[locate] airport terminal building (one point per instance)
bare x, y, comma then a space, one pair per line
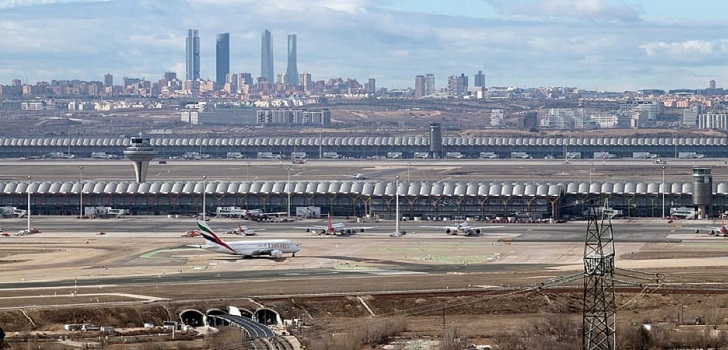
427, 200
361, 198
434, 144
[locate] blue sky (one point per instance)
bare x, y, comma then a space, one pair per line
593, 44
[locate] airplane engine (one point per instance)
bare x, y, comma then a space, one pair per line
447, 230
276, 254
308, 230
349, 231
477, 231
362, 230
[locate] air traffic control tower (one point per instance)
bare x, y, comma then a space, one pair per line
435, 141
702, 190
140, 152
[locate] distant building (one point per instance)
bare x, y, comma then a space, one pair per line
222, 59
652, 109
108, 80
479, 79
292, 70
712, 85
193, 55
294, 117
420, 86
266, 57
305, 81
567, 118
457, 85
371, 86
714, 121
429, 84
690, 115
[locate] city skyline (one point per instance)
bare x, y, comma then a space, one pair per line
596, 44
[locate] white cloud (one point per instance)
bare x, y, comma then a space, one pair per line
582, 9
358, 39
687, 51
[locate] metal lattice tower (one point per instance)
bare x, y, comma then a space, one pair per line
599, 314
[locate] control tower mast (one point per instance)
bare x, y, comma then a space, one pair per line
140, 152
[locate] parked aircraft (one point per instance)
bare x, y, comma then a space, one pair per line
360, 177
250, 214
338, 228
242, 230
274, 248
717, 231
463, 228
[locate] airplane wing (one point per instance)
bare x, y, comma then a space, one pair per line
711, 230
312, 228
360, 227
451, 228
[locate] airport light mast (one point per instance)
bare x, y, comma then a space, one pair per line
204, 190
288, 189
80, 193
396, 204
28, 213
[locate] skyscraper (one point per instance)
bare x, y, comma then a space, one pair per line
222, 59
266, 57
420, 86
292, 71
193, 55
108, 80
480, 79
429, 84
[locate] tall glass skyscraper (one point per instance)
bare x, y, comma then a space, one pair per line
266, 57
222, 59
292, 71
193, 55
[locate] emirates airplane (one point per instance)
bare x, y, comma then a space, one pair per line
274, 248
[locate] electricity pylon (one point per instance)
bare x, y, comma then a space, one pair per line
599, 314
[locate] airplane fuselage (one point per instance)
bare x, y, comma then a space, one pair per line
256, 248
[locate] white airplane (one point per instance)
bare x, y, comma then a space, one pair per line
716, 230
360, 177
338, 228
274, 248
463, 228
243, 230
249, 214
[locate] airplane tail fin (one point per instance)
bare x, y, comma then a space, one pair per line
331, 224
210, 236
